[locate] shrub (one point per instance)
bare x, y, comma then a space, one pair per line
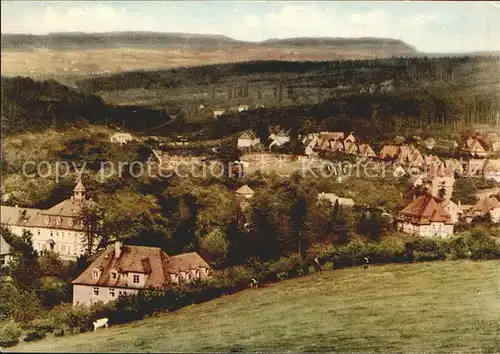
59, 332
34, 335
10, 332
45, 324
80, 318
286, 266
425, 249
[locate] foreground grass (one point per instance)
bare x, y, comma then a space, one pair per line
439, 306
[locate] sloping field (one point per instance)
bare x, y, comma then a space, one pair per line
440, 306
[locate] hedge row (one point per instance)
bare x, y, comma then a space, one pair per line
65, 318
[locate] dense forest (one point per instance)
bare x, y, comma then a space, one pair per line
450, 92
29, 105
322, 73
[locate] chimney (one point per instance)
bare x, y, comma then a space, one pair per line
118, 248
459, 203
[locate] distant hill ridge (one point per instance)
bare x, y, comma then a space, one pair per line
80, 40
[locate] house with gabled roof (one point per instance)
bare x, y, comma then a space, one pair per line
121, 138
455, 165
365, 150
336, 146
491, 169
218, 112
332, 135
473, 147
279, 138
453, 209
389, 152
350, 139
475, 167
125, 269
351, 148
247, 140
425, 216
485, 206
440, 180
310, 144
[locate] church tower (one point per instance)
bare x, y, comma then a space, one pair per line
79, 191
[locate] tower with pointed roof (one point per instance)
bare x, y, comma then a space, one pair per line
79, 191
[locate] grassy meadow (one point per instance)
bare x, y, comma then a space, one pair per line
439, 306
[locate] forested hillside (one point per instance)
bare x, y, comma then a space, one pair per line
29, 105
369, 96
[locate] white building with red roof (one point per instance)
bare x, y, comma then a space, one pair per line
123, 270
425, 216
58, 229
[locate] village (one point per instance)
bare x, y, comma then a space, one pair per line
249, 177
433, 213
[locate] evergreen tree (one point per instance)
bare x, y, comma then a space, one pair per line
24, 269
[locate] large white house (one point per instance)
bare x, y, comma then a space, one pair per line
121, 269
425, 216
58, 229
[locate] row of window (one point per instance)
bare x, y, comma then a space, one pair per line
111, 292
62, 249
59, 221
114, 275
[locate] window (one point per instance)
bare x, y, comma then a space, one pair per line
59, 221
96, 291
63, 248
112, 292
38, 231
136, 279
57, 234
47, 220
51, 234
95, 273
114, 275
70, 222
69, 249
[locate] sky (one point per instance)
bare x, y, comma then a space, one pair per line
428, 26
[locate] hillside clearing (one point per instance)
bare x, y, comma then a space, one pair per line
439, 306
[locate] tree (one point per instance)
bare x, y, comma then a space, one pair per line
298, 214
227, 155
371, 225
464, 191
125, 215
215, 246
24, 269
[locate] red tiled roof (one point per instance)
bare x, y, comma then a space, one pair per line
366, 150
485, 205
426, 209
152, 261
389, 151
473, 145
